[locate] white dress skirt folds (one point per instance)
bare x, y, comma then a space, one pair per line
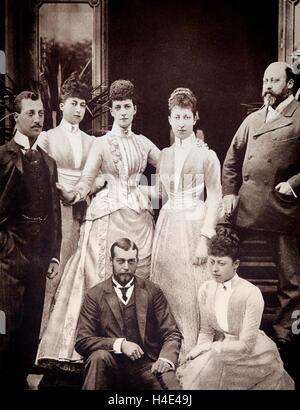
184, 171
121, 209
240, 357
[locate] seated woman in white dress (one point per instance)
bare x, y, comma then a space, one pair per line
232, 353
121, 209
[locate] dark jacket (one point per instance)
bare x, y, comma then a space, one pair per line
262, 155
11, 169
100, 321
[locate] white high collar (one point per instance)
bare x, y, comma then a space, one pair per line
118, 131
23, 140
69, 127
186, 143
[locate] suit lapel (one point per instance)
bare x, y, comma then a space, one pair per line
141, 302
113, 303
283, 120
16, 155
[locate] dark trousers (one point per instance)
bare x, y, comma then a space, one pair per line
108, 371
285, 249
25, 290
288, 263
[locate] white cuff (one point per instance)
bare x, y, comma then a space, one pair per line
168, 361
55, 260
117, 345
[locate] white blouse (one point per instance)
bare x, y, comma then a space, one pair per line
182, 149
223, 293
74, 136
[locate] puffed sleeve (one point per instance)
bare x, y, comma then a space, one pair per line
157, 191
91, 170
212, 180
43, 141
153, 152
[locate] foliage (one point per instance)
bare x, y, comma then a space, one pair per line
58, 62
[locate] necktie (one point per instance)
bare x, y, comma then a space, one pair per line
124, 292
123, 289
224, 287
31, 155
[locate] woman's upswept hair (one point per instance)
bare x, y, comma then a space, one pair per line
73, 87
224, 243
184, 98
121, 90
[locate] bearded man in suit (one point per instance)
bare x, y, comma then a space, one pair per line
30, 237
126, 332
261, 182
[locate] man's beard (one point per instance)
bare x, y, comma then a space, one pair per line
273, 100
269, 99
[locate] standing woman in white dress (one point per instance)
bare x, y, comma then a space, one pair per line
69, 147
121, 209
186, 221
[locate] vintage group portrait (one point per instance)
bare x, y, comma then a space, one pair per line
149, 195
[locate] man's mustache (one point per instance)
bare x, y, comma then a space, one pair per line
268, 93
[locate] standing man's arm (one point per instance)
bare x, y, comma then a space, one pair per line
56, 219
232, 167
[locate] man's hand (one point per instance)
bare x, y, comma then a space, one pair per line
65, 196
131, 350
284, 188
160, 366
229, 202
52, 270
201, 251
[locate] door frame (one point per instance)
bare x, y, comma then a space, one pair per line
286, 30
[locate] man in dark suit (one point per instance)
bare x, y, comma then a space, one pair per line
30, 236
261, 182
126, 332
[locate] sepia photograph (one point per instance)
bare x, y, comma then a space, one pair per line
149, 197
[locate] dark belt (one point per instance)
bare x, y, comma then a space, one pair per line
36, 219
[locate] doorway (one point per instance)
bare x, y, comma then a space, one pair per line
219, 49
